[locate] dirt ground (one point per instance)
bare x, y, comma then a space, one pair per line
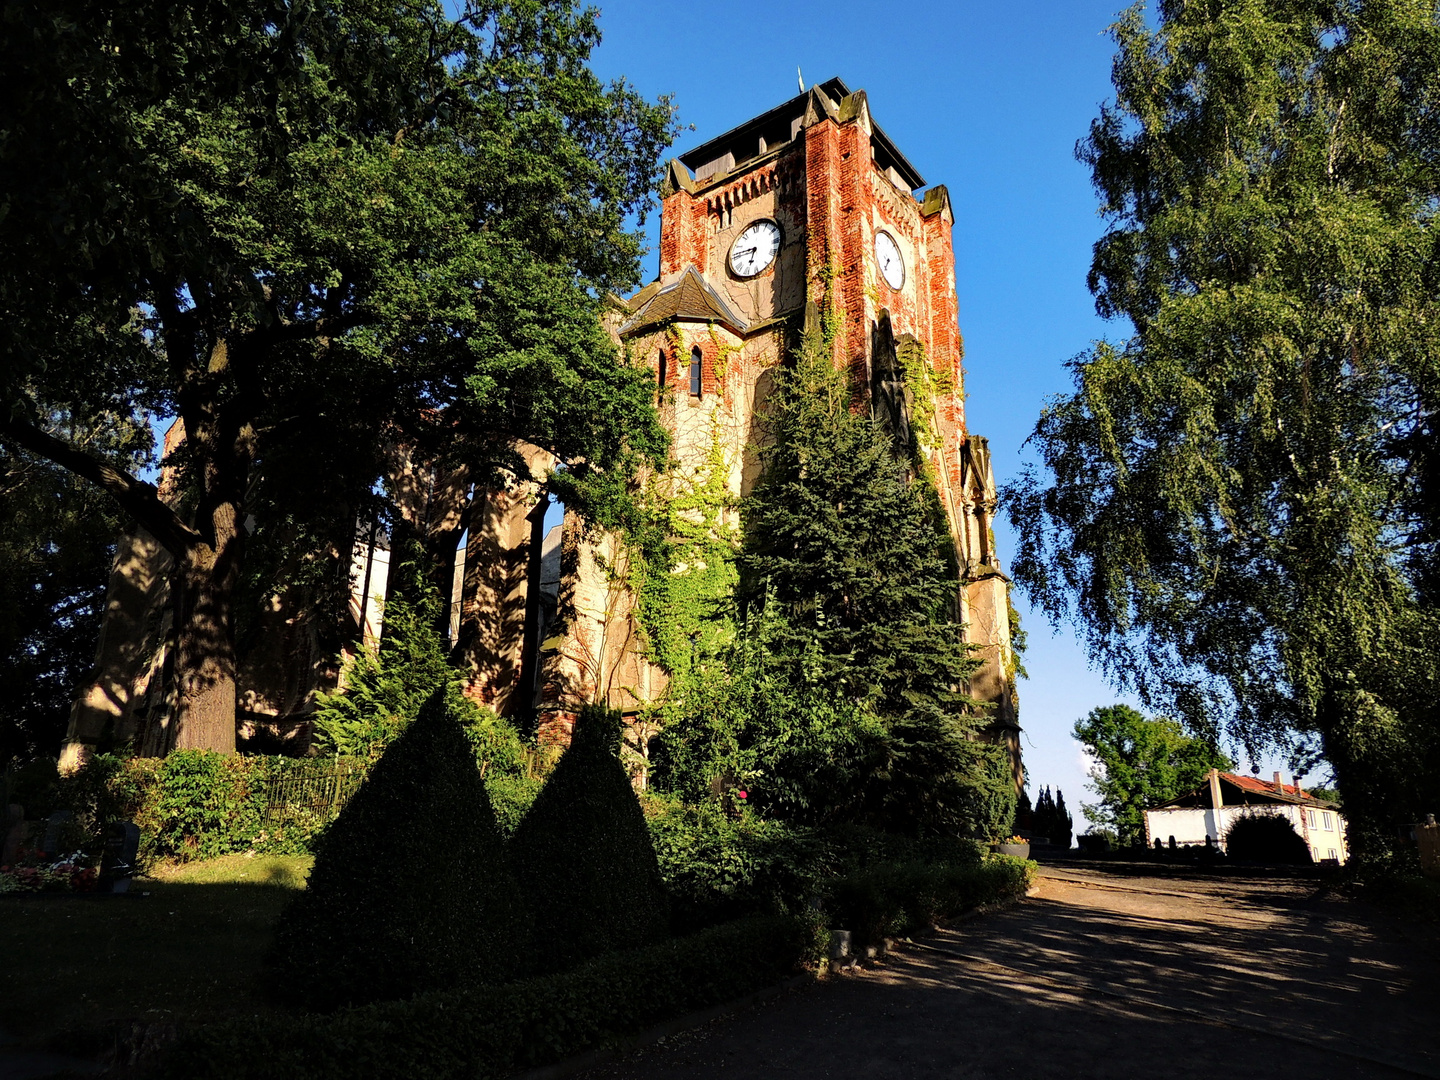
1105, 973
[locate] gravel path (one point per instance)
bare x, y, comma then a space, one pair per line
1105, 974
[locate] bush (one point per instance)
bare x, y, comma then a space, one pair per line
1266, 838
203, 803
477, 1034
717, 868
583, 853
411, 891
895, 899
511, 798
196, 804
856, 847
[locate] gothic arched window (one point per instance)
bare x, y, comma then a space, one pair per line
695, 372
660, 378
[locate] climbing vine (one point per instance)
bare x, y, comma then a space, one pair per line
723, 351
683, 562
926, 386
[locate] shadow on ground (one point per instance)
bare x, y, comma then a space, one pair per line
1082, 981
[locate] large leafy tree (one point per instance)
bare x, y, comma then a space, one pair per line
1139, 763
310, 229
57, 541
1241, 497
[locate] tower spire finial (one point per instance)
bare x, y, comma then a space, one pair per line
800, 77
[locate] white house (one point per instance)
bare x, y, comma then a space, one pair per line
1206, 814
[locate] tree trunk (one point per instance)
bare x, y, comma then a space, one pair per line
205, 661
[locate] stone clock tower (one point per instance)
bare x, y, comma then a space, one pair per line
806, 206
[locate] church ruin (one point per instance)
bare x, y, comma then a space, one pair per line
808, 204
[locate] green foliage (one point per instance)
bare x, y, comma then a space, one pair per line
584, 856
480, 1034
200, 806
717, 866
804, 753
1266, 838
205, 804
411, 889
1139, 763
274, 220
383, 690
899, 898
926, 386
1241, 497
196, 804
685, 543
511, 797
1051, 820
986, 800
848, 556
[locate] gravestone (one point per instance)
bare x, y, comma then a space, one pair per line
50, 845
117, 864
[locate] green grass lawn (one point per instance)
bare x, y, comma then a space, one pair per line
188, 951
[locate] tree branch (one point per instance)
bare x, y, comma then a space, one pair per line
137, 498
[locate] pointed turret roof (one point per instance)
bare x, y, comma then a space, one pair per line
690, 297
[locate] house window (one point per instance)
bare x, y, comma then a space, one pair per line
1329, 826
660, 377
1334, 855
695, 372
1312, 818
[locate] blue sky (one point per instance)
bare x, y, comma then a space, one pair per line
988, 99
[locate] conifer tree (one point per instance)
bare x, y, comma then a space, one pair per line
846, 701
384, 688
1064, 829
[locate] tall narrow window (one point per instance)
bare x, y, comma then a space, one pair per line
695, 372
660, 378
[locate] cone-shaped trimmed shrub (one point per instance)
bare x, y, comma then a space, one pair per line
584, 855
411, 889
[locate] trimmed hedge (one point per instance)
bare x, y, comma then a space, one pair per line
896, 899
411, 889
478, 1034
1266, 838
584, 857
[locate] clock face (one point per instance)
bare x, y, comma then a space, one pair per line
888, 258
755, 249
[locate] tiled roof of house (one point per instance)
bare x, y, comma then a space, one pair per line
1262, 787
1249, 786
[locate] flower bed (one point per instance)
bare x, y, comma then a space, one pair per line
34, 873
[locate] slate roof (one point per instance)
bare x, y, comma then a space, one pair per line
689, 297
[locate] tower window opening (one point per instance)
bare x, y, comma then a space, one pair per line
660, 377
695, 372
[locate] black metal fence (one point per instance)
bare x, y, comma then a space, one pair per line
307, 790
